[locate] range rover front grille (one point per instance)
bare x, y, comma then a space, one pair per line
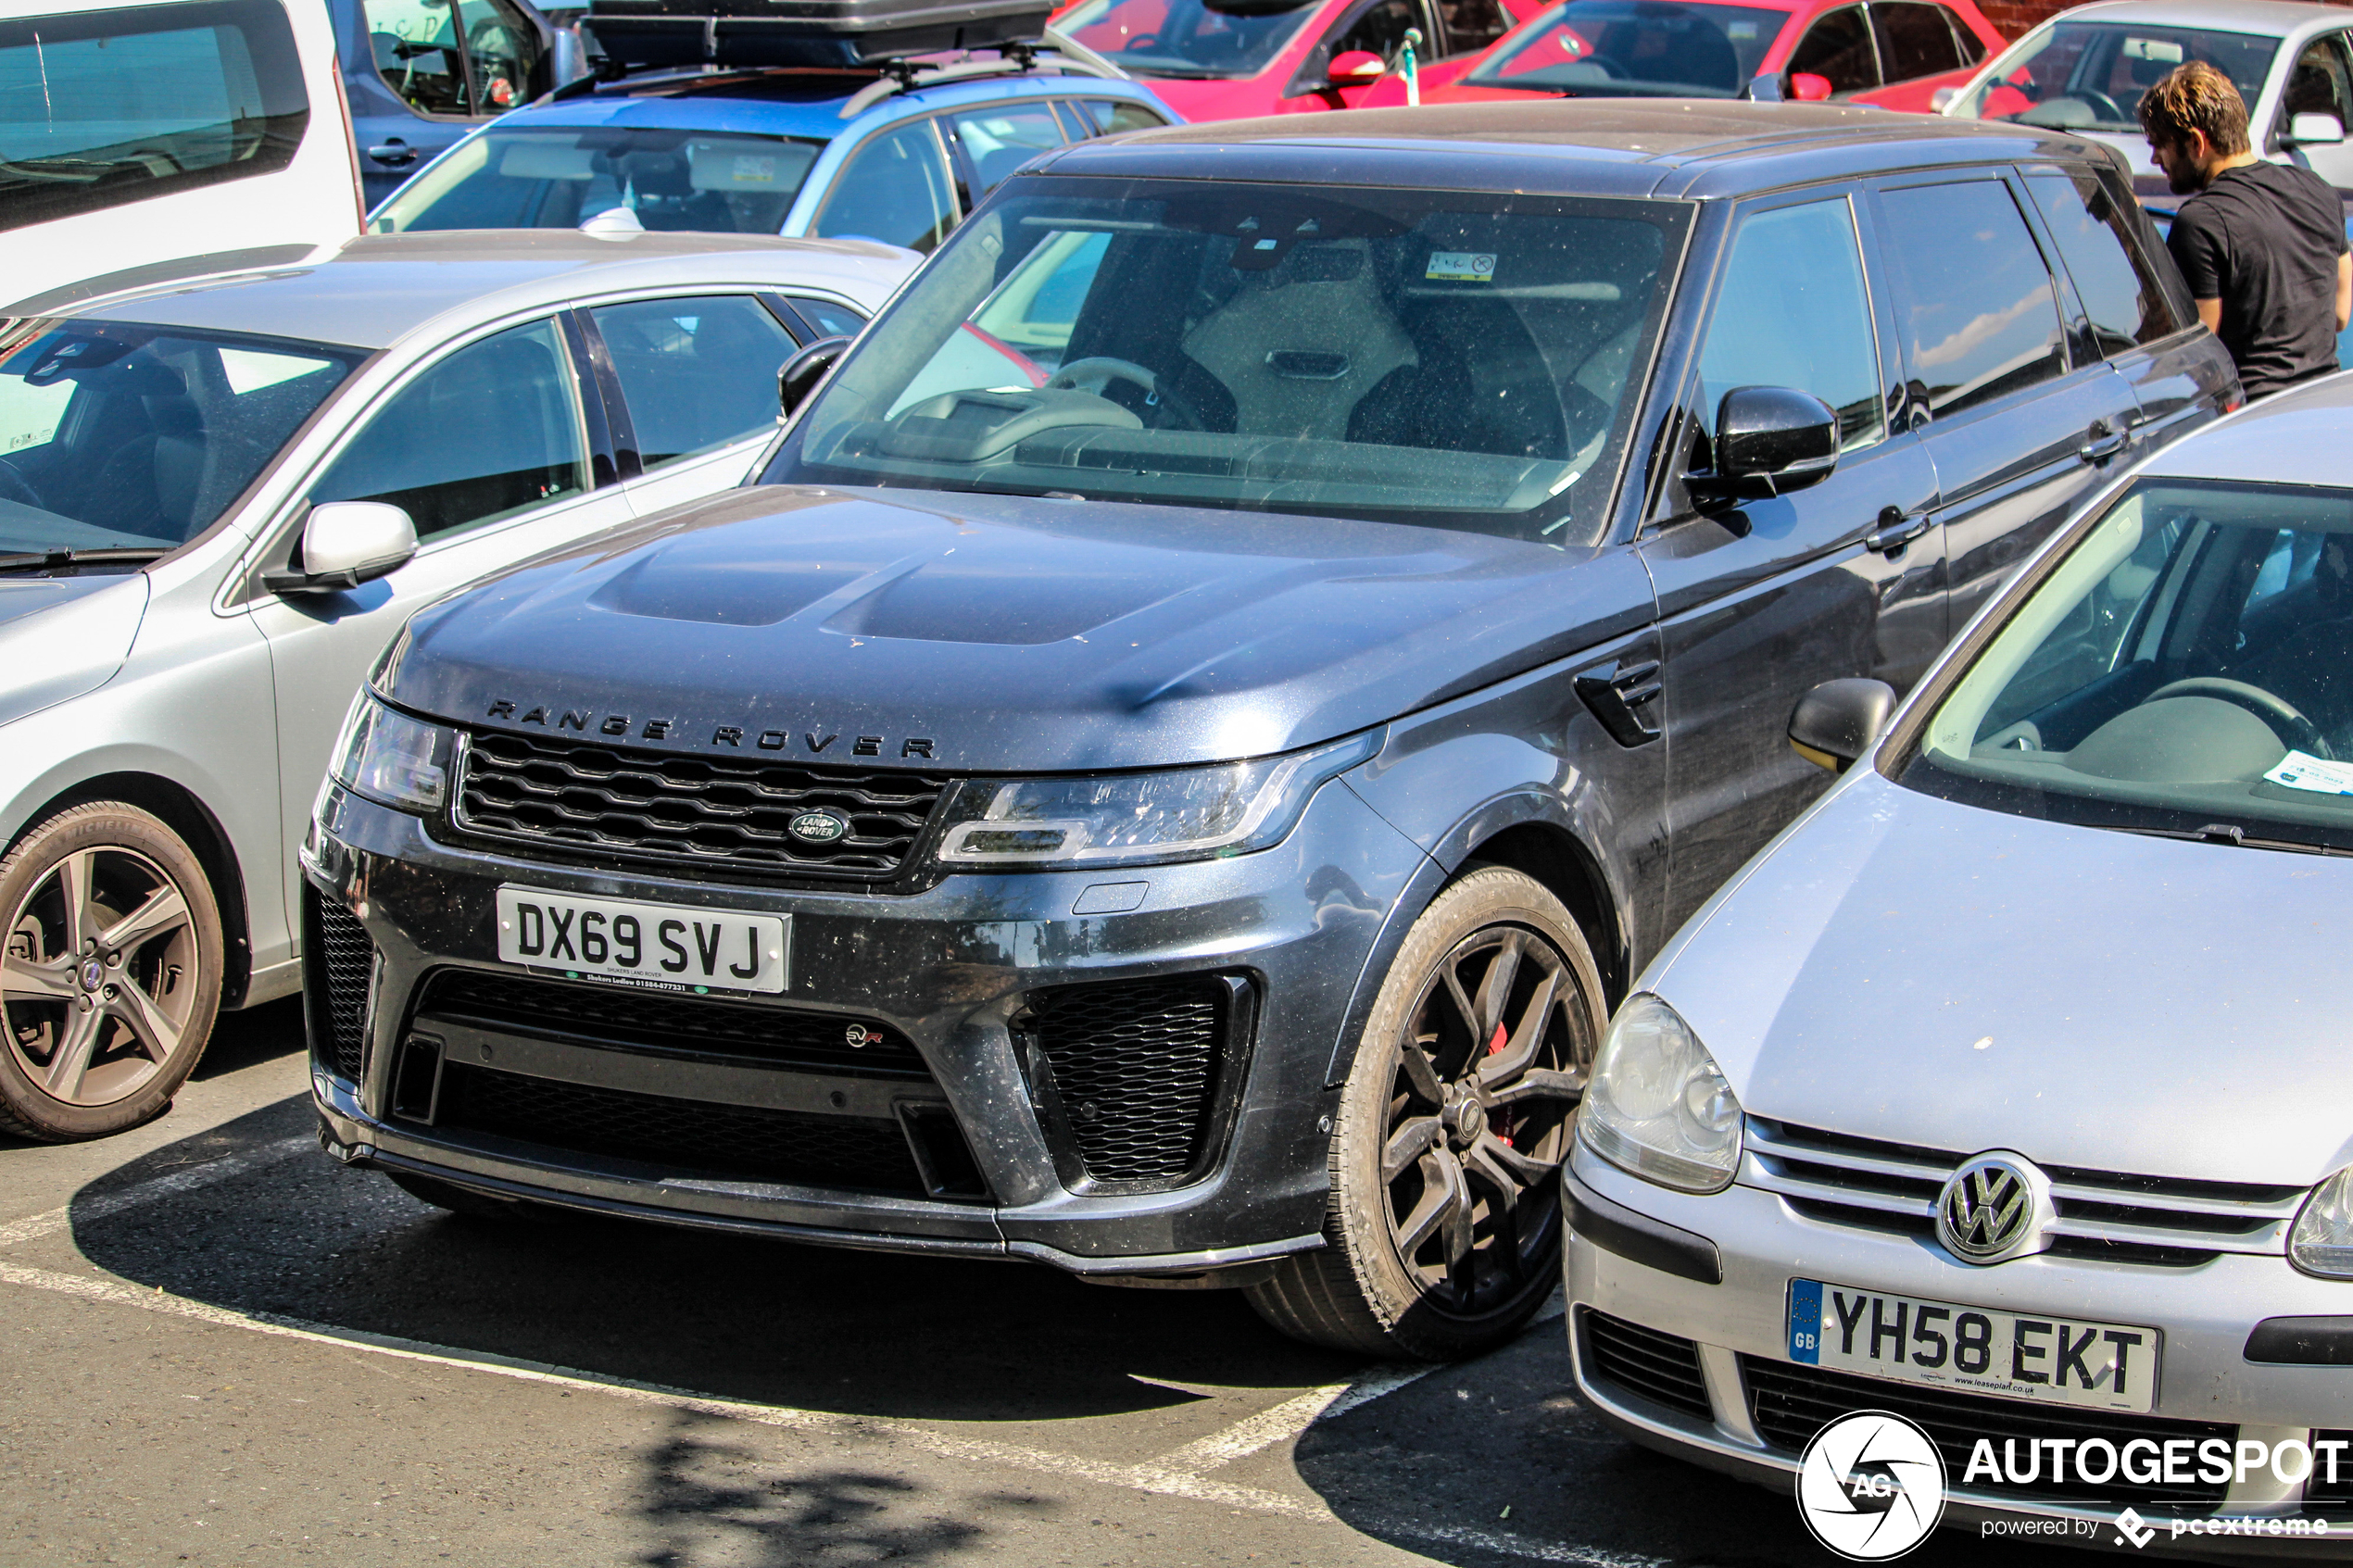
660, 1020
1790, 1403
2154, 1220
682, 1137
609, 802
1134, 1064
1662, 1368
341, 959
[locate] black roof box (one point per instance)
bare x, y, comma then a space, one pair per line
805, 32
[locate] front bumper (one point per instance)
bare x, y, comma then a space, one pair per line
952, 971
1736, 1332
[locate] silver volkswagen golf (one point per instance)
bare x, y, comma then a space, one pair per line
2009, 1091
220, 496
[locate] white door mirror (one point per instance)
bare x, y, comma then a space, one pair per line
1942, 100
2314, 130
345, 544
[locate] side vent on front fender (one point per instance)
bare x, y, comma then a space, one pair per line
1624, 693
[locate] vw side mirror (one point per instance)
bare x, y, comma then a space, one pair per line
345, 544
801, 373
1354, 67
1769, 440
1839, 721
1942, 100
2314, 130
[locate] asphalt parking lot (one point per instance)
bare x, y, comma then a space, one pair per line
224, 1349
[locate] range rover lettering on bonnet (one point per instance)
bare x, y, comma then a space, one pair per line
815, 741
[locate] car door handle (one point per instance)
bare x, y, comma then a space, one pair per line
1896, 529
2103, 441
394, 154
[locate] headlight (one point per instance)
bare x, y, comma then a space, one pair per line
391, 758
1133, 819
1658, 1106
2321, 1242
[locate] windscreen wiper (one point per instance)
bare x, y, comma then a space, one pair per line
2232, 835
68, 560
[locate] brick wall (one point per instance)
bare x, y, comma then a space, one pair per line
2013, 17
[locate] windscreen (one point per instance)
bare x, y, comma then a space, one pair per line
1188, 38
1636, 48
2189, 663
711, 182
2090, 76
118, 436
1444, 358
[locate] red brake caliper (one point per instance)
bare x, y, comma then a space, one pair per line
1500, 1122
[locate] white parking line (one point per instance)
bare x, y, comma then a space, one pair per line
1176, 1474
18, 1232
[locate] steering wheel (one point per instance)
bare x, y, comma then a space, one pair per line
1095, 373
1610, 68
2286, 718
2107, 109
1140, 42
14, 486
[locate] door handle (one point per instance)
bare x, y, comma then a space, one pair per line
2103, 442
394, 154
1896, 529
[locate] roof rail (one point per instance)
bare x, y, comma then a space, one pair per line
1016, 60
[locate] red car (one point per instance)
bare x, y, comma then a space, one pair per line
1230, 60
1892, 53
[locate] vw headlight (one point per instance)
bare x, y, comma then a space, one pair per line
1658, 1106
2321, 1242
391, 758
1139, 819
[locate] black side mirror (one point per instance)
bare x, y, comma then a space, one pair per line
801, 373
1769, 87
1838, 720
1770, 441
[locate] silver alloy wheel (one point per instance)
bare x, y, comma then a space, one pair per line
1488, 1078
100, 976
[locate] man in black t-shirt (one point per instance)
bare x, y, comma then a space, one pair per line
2262, 245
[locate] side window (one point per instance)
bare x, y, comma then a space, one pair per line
1380, 30
829, 319
1973, 294
1971, 47
1838, 48
503, 50
490, 431
1472, 24
1913, 40
416, 52
1111, 116
998, 141
699, 373
102, 108
2122, 297
1792, 310
895, 188
2318, 83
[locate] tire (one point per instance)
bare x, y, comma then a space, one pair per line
1444, 1233
469, 1204
106, 1000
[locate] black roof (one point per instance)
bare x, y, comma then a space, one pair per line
1648, 147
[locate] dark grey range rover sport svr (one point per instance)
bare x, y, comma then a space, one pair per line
1218, 689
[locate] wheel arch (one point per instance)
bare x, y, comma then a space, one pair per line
179, 808
1561, 862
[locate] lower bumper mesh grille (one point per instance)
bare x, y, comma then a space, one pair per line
1791, 1403
1661, 1368
2322, 1495
1134, 1064
341, 957
683, 1136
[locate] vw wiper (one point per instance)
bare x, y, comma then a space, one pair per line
2232, 834
61, 560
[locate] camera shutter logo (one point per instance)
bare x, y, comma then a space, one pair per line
1871, 1486
1996, 1207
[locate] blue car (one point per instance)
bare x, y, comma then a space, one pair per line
860, 153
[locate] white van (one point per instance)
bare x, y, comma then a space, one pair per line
136, 135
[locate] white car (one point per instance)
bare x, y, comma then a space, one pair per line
220, 500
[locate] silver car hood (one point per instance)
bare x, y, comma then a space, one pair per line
61, 636
1902, 968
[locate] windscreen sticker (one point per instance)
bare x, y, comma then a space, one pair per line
1462, 266
2301, 771
755, 170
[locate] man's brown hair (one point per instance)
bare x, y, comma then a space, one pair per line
2195, 96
